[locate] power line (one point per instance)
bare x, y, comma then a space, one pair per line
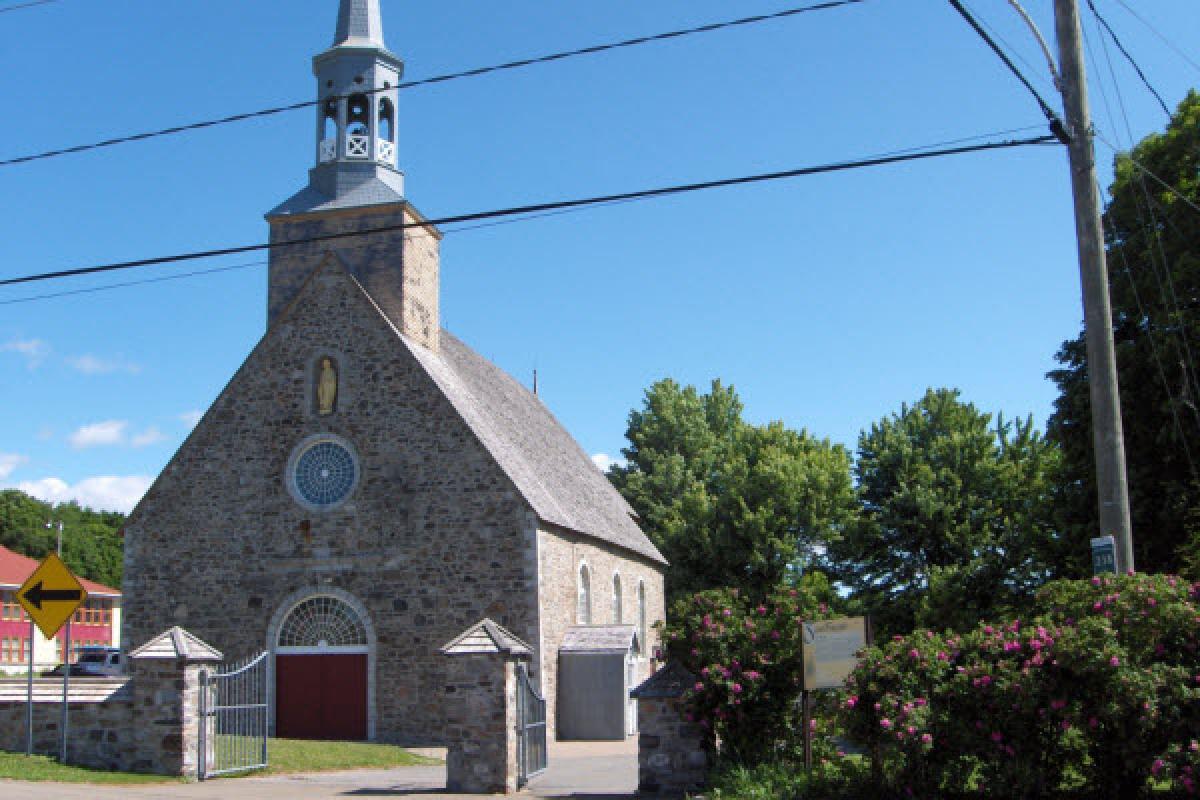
1164, 39
470, 73
841, 166
29, 4
1129, 58
1056, 125
1129, 155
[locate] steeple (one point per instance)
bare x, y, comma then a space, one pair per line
355, 185
359, 22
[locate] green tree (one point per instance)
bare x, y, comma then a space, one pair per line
92, 545
956, 515
729, 504
1153, 248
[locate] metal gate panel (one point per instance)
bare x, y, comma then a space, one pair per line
233, 718
531, 728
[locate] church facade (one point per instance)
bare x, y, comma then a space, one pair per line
366, 486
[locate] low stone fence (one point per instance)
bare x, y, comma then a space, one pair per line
146, 722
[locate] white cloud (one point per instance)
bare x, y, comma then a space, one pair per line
151, 435
93, 365
191, 418
34, 350
100, 433
603, 461
9, 462
102, 492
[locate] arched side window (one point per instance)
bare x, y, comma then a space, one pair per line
617, 610
641, 601
583, 611
387, 120
358, 126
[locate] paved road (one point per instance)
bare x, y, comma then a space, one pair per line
578, 770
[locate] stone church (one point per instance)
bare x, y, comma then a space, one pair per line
367, 486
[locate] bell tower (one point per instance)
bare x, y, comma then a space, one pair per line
356, 185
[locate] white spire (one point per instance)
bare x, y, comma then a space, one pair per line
359, 22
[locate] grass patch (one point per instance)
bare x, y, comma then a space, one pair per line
302, 755
20, 767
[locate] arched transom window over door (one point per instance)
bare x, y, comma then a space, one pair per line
323, 622
583, 611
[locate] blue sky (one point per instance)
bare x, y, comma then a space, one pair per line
826, 301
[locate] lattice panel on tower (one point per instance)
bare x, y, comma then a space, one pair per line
322, 622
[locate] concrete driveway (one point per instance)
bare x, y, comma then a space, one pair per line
582, 770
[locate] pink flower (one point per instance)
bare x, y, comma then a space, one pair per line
1057, 704
737, 688
997, 736
851, 701
726, 613
885, 723
926, 738
911, 730
1157, 766
1114, 662
1065, 725
762, 610
1093, 722
914, 653
775, 635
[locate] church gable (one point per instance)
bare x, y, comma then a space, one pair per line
330, 386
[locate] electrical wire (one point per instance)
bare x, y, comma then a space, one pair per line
1037, 34
29, 4
470, 73
1129, 58
841, 166
1164, 39
1056, 125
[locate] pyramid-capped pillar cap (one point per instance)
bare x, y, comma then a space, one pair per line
486, 637
359, 23
177, 643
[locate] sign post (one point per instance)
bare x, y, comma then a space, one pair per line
50, 596
830, 651
1104, 555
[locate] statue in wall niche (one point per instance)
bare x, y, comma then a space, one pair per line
327, 387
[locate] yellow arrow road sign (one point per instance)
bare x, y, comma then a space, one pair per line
51, 594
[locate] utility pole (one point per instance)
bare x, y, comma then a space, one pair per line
1107, 437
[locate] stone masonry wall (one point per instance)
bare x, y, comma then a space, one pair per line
148, 725
434, 538
398, 268
672, 755
560, 554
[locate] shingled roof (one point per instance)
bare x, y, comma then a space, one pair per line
553, 473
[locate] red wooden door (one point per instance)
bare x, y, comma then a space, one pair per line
321, 696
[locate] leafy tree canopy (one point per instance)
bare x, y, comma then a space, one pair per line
91, 539
956, 515
1153, 248
729, 504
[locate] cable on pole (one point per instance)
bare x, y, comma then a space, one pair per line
1056, 124
840, 166
1178, 51
470, 73
1129, 58
29, 4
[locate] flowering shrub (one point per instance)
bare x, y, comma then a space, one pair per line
1103, 689
746, 655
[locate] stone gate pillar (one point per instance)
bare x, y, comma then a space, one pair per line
166, 702
481, 709
672, 751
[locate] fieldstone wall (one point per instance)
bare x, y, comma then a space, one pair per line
560, 553
672, 752
434, 538
146, 723
398, 268
481, 719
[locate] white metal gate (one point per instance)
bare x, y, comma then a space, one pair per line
233, 718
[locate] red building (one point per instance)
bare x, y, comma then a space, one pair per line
96, 623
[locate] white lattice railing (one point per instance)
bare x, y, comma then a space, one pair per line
356, 146
387, 152
328, 150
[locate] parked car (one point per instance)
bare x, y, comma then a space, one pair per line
94, 662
